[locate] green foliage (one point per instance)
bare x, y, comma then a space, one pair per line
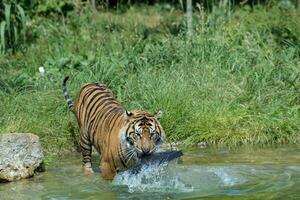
235, 82
13, 26
46, 7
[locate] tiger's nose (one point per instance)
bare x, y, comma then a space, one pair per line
146, 151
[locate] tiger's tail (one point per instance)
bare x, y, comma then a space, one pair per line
66, 95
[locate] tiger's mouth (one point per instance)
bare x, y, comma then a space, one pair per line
145, 154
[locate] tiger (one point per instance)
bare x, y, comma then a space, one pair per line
121, 137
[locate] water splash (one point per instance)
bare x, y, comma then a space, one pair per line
152, 177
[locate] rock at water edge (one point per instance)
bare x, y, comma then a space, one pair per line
20, 156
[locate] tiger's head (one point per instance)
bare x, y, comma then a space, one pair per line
144, 132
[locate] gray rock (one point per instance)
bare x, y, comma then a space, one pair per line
20, 156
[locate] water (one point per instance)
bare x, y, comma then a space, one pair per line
243, 173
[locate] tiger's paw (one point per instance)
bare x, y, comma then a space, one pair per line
87, 169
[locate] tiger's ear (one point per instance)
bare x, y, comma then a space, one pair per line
128, 114
158, 114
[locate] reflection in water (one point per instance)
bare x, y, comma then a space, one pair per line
245, 173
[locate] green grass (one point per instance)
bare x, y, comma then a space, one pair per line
237, 81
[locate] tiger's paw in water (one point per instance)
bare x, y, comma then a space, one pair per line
87, 169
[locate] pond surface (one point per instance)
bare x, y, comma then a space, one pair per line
243, 173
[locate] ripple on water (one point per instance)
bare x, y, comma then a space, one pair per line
207, 180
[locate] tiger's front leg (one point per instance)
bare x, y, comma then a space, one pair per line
106, 171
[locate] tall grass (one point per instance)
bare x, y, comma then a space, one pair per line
13, 26
235, 82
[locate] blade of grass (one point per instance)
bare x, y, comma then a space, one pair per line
7, 19
2, 36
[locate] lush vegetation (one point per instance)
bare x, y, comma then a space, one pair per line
236, 81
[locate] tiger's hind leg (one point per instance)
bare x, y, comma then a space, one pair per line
86, 149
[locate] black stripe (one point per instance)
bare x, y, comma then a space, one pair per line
105, 94
126, 132
79, 111
95, 122
113, 121
85, 97
106, 108
88, 92
84, 139
87, 149
99, 118
108, 120
93, 117
121, 156
113, 161
95, 106
99, 101
99, 107
156, 124
112, 113
90, 124
109, 133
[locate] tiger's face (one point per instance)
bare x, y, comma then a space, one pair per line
144, 133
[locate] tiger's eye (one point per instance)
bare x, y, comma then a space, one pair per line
155, 137
158, 138
137, 135
130, 140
